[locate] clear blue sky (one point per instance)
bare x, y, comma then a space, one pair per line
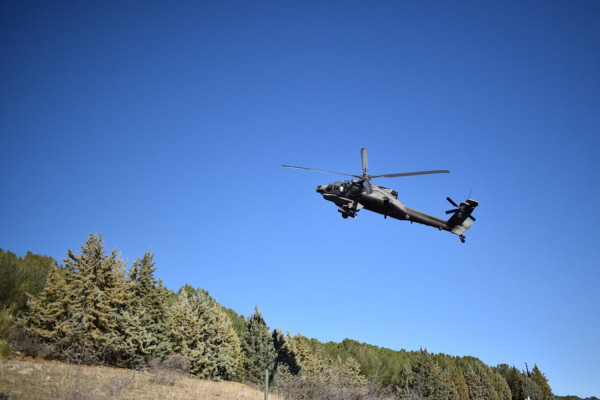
163, 126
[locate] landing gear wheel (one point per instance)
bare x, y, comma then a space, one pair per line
344, 215
462, 238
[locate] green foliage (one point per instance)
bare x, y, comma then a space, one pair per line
531, 389
6, 321
310, 365
346, 373
540, 379
144, 324
81, 307
20, 277
257, 346
237, 321
201, 332
421, 374
431, 381
48, 315
514, 379
285, 358
91, 310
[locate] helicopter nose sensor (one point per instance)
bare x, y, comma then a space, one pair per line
321, 189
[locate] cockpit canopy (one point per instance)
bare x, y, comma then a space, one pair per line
341, 186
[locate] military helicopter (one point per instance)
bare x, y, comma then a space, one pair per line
353, 195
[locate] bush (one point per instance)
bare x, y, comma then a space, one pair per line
30, 346
5, 349
176, 363
315, 388
167, 372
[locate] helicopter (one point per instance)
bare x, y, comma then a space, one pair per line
353, 195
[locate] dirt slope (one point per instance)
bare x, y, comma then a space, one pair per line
39, 379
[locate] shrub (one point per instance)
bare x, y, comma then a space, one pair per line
176, 363
167, 372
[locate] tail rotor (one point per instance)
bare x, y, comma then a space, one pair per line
461, 208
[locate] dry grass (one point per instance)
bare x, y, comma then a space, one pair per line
39, 379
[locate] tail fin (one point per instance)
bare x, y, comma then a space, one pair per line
458, 222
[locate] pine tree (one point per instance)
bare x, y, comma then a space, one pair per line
541, 380
80, 309
257, 346
531, 389
514, 380
310, 365
285, 353
461, 386
98, 294
202, 332
48, 315
350, 375
145, 319
500, 385
20, 277
474, 382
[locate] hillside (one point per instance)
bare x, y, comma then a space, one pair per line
98, 312
31, 379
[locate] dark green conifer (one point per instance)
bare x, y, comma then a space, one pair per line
145, 327
531, 389
202, 332
541, 380
310, 365
80, 309
48, 315
285, 353
257, 346
98, 293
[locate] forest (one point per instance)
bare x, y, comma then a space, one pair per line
94, 309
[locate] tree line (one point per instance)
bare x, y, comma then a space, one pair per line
93, 309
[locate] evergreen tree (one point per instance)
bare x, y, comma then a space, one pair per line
541, 380
349, 372
145, 328
6, 320
48, 315
404, 380
531, 389
201, 332
514, 379
430, 381
310, 365
500, 385
20, 277
474, 383
285, 353
98, 294
80, 310
258, 348
461, 386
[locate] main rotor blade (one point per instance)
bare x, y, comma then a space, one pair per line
365, 162
319, 170
437, 171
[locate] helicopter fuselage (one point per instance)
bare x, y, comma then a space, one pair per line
353, 195
350, 197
